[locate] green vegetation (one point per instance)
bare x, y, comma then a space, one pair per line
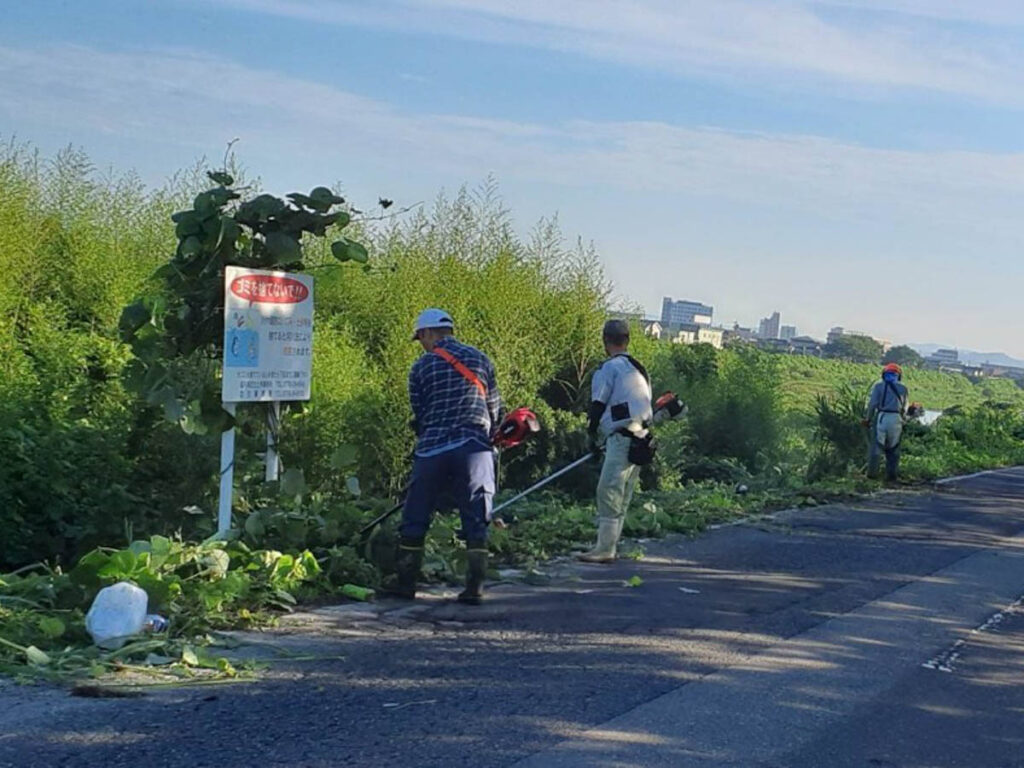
109, 418
201, 587
903, 356
805, 378
857, 349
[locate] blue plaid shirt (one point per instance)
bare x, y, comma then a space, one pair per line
448, 410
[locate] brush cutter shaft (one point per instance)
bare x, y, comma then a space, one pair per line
380, 519
542, 483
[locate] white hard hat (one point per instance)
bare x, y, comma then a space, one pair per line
432, 318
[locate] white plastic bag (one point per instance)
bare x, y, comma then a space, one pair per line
117, 612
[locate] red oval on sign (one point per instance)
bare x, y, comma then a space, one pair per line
268, 289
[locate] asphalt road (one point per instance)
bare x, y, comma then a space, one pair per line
883, 633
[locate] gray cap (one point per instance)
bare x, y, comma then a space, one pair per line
616, 328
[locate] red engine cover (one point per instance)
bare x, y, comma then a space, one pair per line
516, 427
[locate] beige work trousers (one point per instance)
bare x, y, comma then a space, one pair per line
618, 479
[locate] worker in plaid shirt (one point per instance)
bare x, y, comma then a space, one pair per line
456, 408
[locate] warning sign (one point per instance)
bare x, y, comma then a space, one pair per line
268, 335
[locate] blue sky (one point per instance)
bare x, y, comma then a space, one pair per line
847, 162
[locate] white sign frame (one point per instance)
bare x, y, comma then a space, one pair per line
268, 358
268, 336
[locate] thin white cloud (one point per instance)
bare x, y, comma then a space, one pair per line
170, 97
761, 199
997, 13
754, 39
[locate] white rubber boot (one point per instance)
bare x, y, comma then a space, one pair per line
608, 530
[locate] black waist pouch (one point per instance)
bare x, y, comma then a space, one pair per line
642, 449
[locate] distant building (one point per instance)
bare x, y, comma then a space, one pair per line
713, 336
787, 332
835, 334
838, 332
697, 333
684, 335
943, 357
769, 327
679, 313
653, 328
973, 371
775, 345
738, 333
805, 345
1003, 371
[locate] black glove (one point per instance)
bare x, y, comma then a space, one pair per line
595, 448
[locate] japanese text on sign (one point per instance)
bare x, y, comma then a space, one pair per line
268, 335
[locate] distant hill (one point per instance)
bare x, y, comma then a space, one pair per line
970, 356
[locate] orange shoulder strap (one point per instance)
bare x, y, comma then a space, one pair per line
471, 377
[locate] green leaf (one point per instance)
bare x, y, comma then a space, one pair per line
349, 250
300, 199
216, 561
321, 199
122, 565
133, 317
260, 209
282, 248
181, 216
36, 657
221, 196
186, 223
51, 626
188, 656
191, 421
174, 409
293, 482
212, 413
294, 530
229, 232
223, 178
309, 562
190, 247
344, 455
358, 252
86, 571
148, 344
633, 581
339, 248
205, 204
254, 525
352, 484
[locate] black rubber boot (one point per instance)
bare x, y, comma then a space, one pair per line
873, 461
476, 572
892, 464
408, 563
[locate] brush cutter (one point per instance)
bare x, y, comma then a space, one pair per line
666, 408
517, 427
541, 483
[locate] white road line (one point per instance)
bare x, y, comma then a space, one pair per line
945, 661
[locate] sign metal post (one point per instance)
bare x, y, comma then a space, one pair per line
268, 357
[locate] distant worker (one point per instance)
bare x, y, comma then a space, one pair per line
456, 409
619, 412
886, 412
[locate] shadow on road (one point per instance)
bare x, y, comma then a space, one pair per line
753, 614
